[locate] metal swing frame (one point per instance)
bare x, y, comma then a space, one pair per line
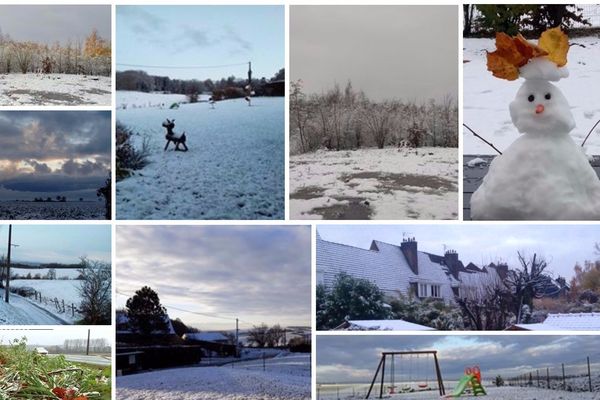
381, 367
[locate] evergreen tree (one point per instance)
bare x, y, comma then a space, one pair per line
146, 314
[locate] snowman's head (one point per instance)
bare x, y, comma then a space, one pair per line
540, 107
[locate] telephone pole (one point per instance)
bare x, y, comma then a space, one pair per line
7, 288
237, 334
87, 349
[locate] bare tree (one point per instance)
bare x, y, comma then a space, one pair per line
95, 292
527, 283
258, 336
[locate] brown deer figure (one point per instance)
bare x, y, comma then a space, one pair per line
173, 137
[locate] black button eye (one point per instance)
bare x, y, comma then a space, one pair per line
531, 98
548, 96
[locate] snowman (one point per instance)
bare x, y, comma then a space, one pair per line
544, 174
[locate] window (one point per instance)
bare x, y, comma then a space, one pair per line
422, 290
435, 291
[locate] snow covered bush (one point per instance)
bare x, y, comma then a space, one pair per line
429, 312
349, 298
128, 157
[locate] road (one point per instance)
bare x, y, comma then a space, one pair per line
80, 358
29, 313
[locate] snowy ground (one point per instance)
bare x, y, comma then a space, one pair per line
54, 210
54, 89
20, 311
493, 393
375, 184
129, 99
234, 168
283, 379
67, 290
486, 98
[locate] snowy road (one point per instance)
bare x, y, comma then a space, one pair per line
79, 358
234, 168
21, 311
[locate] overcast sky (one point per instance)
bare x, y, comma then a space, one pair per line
52, 23
55, 335
184, 36
51, 153
561, 245
57, 243
347, 358
255, 273
404, 52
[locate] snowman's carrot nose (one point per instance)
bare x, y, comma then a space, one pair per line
539, 109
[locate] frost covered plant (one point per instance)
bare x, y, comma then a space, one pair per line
128, 157
429, 312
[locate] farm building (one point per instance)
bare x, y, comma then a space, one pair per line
214, 344
406, 270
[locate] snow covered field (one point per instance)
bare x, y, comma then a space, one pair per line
493, 393
486, 98
375, 184
54, 89
285, 378
63, 290
234, 168
130, 99
53, 210
20, 311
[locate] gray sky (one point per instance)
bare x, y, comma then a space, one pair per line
561, 245
50, 153
255, 273
405, 52
51, 23
54, 335
342, 359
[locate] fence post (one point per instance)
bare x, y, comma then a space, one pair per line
264, 367
589, 374
564, 381
538, 377
548, 378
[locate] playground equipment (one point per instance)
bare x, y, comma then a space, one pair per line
407, 358
470, 381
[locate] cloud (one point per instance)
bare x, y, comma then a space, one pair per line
52, 183
72, 167
39, 168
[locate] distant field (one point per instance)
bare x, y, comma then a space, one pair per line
54, 210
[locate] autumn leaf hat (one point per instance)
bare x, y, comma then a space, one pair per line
516, 57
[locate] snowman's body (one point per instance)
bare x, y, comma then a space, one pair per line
544, 174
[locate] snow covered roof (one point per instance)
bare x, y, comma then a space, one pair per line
383, 325
122, 322
566, 322
206, 336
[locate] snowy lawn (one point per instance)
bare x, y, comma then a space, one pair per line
375, 184
52, 210
486, 98
54, 89
63, 290
282, 382
234, 168
130, 99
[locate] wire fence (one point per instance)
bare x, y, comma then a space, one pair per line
576, 376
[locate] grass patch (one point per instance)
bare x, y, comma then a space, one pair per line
24, 374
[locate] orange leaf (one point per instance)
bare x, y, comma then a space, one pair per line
508, 50
528, 49
556, 43
501, 67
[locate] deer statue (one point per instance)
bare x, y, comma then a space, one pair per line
248, 92
173, 137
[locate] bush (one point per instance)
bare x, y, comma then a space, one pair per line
128, 158
429, 312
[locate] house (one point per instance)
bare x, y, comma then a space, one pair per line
563, 322
403, 269
214, 344
382, 325
212, 337
124, 327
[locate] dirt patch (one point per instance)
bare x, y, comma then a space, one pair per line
97, 91
355, 209
307, 193
391, 182
43, 97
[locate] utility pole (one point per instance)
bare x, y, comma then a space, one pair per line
249, 72
237, 334
87, 349
7, 288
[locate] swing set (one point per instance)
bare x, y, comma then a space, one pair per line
412, 382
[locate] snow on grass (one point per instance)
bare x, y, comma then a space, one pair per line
63, 290
52, 210
54, 89
280, 381
486, 98
385, 183
21, 311
131, 99
234, 168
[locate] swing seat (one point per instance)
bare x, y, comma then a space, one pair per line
406, 389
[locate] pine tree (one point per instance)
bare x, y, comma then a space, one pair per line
146, 314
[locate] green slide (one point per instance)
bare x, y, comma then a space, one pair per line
462, 385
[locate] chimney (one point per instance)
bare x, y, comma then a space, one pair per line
502, 270
409, 249
451, 261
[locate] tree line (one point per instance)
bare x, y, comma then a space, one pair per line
90, 57
347, 119
141, 81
